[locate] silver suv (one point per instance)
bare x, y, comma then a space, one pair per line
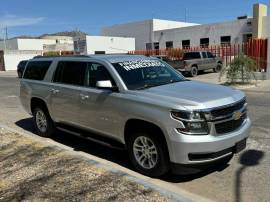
163, 120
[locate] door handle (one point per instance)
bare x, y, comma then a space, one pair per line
54, 91
83, 97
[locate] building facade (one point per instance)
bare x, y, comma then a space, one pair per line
103, 45
160, 34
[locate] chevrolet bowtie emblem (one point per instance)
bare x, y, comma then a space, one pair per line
237, 115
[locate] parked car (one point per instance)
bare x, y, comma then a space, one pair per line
193, 62
21, 67
164, 121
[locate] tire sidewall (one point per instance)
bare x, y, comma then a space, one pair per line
162, 165
194, 68
50, 126
218, 68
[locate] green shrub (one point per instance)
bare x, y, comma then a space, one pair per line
241, 70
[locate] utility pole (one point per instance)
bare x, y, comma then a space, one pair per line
185, 14
6, 33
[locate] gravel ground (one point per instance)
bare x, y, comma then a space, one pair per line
33, 171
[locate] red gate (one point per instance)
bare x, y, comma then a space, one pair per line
254, 48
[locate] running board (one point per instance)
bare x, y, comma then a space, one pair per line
99, 140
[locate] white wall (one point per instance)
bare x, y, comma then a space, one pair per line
11, 44
34, 44
266, 27
168, 24
109, 44
12, 59
235, 29
141, 31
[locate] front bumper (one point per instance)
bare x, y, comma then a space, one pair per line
183, 147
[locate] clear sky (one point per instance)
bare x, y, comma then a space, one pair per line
35, 17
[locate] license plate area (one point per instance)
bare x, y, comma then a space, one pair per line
239, 146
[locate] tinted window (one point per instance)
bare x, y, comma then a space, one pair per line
204, 42
22, 64
186, 43
192, 55
169, 44
225, 40
210, 55
204, 54
70, 73
36, 70
146, 73
97, 72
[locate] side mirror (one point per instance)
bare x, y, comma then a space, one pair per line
106, 85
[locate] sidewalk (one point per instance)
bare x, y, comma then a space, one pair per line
12, 73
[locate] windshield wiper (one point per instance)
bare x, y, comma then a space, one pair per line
160, 84
146, 86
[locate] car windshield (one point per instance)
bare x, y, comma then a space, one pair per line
141, 74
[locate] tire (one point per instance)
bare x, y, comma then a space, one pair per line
194, 71
218, 68
160, 159
44, 125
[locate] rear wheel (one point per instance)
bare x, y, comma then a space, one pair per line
147, 154
43, 123
194, 71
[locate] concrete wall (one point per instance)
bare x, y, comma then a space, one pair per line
12, 58
109, 44
34, 44
235, 29
58, 47
11, 44
168, 24
259, 11
141, 31
266, 27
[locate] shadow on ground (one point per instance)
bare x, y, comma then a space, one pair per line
113, 155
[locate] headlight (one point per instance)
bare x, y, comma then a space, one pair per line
194, 122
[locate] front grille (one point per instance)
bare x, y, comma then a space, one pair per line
227, 110
230, 126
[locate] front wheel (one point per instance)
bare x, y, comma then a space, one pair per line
218, 68
148, 155
43, 123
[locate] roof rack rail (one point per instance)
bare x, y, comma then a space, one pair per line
57, 56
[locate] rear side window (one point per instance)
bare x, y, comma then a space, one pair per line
70, 72
192, 55
210, 55
36, 70
204, 54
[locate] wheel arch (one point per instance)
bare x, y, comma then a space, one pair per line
36, 101
136, 125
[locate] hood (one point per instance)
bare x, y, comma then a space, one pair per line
193, 94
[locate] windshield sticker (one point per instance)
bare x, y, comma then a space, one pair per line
131, 65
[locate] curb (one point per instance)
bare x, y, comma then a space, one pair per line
177, 195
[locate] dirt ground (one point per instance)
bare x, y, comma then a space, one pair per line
33, 171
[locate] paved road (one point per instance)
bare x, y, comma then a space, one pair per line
247, 178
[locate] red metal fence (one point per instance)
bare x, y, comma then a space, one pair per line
255, 49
